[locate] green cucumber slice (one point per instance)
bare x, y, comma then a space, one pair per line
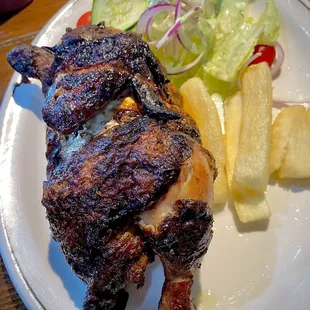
121, 14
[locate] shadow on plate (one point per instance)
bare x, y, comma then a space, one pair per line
30, 97
75, 287
196, 291
293, 185
218, 209
148, 295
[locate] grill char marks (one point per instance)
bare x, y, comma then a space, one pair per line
94, 65
89, 46
140, 159
32, 62
109, 62
74, 98
104, 185
111, 180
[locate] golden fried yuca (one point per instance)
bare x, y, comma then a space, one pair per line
232, 120
280, 133
199, 105
250, 208
251, 172
253, 208
290, 145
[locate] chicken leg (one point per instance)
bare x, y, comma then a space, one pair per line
179, 228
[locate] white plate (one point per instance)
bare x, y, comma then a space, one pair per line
265, 266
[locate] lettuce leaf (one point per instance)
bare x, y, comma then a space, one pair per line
230, 54
230, 16
210, 8
271, 21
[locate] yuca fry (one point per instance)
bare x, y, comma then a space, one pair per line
199, 105
251, 208
232, 116
295, 162
251, 173
280, 133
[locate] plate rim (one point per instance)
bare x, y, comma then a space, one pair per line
23, 288
17, 277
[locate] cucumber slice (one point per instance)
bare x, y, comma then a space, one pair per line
121, 14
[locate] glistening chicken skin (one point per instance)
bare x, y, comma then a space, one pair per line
127, 179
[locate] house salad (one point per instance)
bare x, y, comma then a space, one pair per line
212, 39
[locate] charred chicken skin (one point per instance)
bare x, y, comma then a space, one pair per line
127, 177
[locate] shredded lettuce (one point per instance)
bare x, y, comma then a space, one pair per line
230, 36
271, 21
237, 35
230, 16
229, 56
210, 8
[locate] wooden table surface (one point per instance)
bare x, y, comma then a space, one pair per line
15, 29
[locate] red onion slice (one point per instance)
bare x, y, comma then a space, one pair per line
184, 40
176, 71
147, 31
177, 10
175, 27
167, 37
277, 64
151, 12
181, 40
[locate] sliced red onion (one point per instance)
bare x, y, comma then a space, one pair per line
246, 64
176, 71
168, 35
277, 64
184, 40
175, 27
180, 40
181, 15
177, 10
151, 12
147, 31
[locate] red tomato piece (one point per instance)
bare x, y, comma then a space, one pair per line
268, 54
85, 19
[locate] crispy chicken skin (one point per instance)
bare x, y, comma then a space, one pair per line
127, 179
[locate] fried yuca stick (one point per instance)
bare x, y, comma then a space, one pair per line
251, 172
199, 105
253, 207
290, 143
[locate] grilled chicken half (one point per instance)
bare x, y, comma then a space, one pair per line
127, 177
